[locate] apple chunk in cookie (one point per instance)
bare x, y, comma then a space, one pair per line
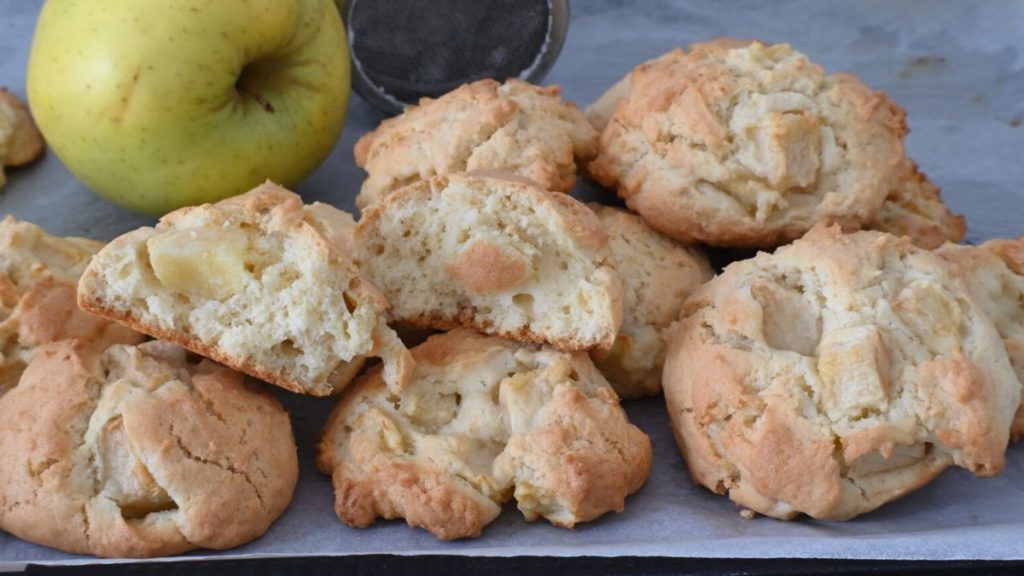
140, 451
254, 282
500, 255
484, 420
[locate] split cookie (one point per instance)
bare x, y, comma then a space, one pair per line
835, 375
254, 282
994, 273
38, 274
139, 451
657, 274
746, 144
498, 255
484, 420
515, 127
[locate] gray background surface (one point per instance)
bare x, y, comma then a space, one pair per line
958, 70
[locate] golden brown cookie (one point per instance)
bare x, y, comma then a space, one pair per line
746, 144
140, 451
498, 255
38, 273
658, 274
516, 127
994, 273
20, 140
258, 282
484, 420
835, 375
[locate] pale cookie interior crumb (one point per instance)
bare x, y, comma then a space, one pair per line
503, 257
263, 292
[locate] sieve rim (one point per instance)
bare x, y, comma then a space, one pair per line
535, 72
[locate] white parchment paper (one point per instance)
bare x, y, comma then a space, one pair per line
957, 69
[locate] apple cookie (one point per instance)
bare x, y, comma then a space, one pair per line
20, 140
140, 451
255, 283
38, 273
747, 144
657, 274
914, 209
495, 254
515, 127
835, 375
994, 273
484, 420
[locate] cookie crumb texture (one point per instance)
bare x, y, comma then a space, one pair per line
255, 282
914, 209
516, 127
498, 255
140, 451
483, 421
746, 144
38, 274
835, 375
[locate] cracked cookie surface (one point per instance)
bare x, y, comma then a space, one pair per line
38, 274
139, 452
745, 144
484, 420
835, 375
994, 273
516, 127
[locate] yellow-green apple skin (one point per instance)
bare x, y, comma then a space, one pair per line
157, 104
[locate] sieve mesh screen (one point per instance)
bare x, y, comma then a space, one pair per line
413, 48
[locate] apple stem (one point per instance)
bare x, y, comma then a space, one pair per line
263, 102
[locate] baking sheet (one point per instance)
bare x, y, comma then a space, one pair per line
958, 69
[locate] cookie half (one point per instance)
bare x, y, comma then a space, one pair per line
516, 127
994, 273
499, 255
255, 283
483, 421
658, 274
746, 144
835, 375
38, 274
140, 451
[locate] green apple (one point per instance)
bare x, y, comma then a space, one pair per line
156, 104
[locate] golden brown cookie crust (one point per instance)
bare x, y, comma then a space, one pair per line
38, 273
517, 127
747, 144
994, 273
20, 140
140, 452
483, 421
658, 274
835, 375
